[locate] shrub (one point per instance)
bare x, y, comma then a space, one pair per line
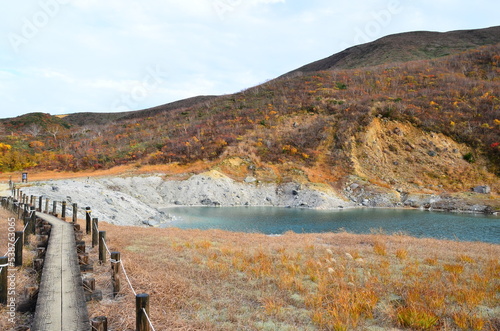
469, 157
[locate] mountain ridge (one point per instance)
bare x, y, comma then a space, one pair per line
418, 45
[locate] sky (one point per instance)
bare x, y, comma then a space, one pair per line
68, 56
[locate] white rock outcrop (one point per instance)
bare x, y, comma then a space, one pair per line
138, 200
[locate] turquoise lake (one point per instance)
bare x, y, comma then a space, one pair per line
275, 221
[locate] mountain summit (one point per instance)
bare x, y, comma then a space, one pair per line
403, 47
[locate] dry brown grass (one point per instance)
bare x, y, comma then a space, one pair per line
217, 280
24, 276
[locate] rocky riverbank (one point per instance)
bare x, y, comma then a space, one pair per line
138, 200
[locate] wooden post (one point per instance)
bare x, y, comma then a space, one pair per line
102, 248
95, 229
38, 264
32, 224
89, 285
63, 212
80, 247
75, 212
54, 208
32, 200
46, 211
40, 252
115, 269
88, 220
100, 323
4, 266
141, 305
40, 200
25, 209
19, 210
19, 249
26, 220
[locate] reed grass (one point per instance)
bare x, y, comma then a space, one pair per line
217, 280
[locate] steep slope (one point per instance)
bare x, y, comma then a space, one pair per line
405, 47
399, 155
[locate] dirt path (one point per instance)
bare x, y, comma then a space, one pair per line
61, 304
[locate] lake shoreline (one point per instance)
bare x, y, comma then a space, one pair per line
138, 200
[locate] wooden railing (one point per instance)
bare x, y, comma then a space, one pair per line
52, 232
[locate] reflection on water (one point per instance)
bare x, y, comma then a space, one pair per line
272, 220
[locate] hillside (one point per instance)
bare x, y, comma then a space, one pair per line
104, 118
404, 47
428, 126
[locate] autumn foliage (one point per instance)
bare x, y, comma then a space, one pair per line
304, 119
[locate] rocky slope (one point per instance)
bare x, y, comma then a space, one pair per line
138, 200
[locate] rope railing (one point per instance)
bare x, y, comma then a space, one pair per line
120, 261
28, 213
149, 321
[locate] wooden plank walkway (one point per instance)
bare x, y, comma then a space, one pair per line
61, 304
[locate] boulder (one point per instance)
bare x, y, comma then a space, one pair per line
250, 179
482, 189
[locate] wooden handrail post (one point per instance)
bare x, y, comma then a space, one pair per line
32, 224
40, 201
4, 265
63, 212
25, 210
54, 208
46, 211
19, 248
102, 248
75, 212
141, 305
26, 220
115, 269
100, 323
88, 220
95, 229
19, 210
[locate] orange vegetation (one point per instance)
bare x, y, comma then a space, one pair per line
217, 280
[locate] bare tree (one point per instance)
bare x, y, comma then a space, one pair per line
34, 129
54, 130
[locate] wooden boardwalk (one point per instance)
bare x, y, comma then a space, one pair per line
61, 304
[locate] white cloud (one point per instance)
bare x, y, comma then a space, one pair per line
93, 51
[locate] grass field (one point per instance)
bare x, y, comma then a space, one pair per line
217, 280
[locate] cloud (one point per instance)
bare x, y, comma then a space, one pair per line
91, 52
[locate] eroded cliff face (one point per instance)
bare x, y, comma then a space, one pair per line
401, 157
